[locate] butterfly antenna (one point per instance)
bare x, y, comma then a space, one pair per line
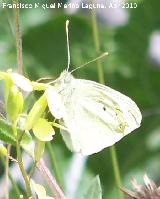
93, 60
68, 48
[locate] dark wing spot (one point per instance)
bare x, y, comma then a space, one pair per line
104, 108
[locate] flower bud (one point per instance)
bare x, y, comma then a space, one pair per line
14, 103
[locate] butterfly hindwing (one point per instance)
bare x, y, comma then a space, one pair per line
97, 116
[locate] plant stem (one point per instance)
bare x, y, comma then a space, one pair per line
54, 164
51, 180
97, 46
20, 70
116, 171
22, 169
20, 162
18, 39
102, 81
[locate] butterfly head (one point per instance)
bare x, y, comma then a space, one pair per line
65, 77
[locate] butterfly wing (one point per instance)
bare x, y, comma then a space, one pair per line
97, 116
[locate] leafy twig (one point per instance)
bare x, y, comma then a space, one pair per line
21, 166
51, 180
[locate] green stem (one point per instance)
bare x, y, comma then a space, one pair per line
97, 46
22, 169
54, 164
32, 170
102, 81
20, 163
20, 70
116, 171
18, 40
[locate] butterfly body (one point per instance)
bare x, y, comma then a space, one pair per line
96, 116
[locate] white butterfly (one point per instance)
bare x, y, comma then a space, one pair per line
96, 116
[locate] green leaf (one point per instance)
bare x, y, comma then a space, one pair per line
7, 134
43, 130
94, 190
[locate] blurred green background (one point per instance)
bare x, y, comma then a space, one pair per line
132, 38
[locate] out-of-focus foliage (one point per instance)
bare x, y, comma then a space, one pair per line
128, 68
